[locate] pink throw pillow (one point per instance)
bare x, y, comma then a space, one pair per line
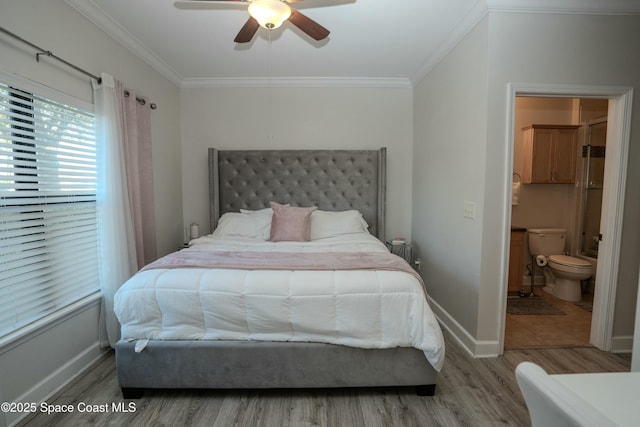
290, 223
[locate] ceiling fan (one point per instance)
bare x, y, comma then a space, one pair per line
270, 14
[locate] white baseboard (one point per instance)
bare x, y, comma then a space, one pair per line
58, 379
622, 344
475, 348
480, 349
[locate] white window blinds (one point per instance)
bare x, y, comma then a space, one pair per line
48, 235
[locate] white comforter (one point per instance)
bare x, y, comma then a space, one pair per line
367, 309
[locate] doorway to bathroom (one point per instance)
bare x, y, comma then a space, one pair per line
617, 132
540, 318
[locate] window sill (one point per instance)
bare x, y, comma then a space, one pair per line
38, 327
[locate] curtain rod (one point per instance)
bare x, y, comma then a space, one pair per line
49, 54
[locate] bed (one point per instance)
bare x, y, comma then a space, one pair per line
293, 288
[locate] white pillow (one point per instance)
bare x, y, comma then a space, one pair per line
244, 225
330, 224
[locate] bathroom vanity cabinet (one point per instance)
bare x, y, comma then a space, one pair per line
516, 260
549, 154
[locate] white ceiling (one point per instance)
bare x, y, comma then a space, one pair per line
372, 42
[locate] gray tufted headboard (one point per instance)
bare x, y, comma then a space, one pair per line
332, 180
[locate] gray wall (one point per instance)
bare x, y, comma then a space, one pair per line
574, 49
450, 144
298, 118
466, 151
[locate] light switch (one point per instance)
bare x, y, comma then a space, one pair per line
469, 210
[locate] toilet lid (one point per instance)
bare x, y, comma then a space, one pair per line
570, 261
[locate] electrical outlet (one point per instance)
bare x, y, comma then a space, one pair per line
469, 210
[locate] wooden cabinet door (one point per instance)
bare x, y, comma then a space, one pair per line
564, 168
542, 156
549, 154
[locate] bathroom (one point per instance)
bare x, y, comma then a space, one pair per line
571, 206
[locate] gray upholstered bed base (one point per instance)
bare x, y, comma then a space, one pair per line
268, 365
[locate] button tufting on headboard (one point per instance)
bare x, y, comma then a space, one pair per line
329, 179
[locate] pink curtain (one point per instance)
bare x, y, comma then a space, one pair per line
136, 132
125, 212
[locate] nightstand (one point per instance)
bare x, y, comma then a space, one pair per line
403, 250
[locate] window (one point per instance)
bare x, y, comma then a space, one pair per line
48, 233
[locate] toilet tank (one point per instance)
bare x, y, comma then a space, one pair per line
546, 241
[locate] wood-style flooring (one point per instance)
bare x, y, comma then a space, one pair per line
540, 331
470, 392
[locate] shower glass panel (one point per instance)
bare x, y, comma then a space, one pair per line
593, 155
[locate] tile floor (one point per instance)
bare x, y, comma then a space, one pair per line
569, 330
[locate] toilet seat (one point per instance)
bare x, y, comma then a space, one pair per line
569, 261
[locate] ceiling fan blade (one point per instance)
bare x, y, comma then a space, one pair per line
247, 31
308, 25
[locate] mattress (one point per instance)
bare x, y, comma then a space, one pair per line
357, 308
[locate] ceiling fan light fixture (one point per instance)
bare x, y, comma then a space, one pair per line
270, 14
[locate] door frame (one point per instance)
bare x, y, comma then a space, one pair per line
618, 135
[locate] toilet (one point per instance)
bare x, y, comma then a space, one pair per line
563, 273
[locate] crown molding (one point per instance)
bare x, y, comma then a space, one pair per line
96, 15
582, 7
355, 82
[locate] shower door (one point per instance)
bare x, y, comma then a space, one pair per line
593, 155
